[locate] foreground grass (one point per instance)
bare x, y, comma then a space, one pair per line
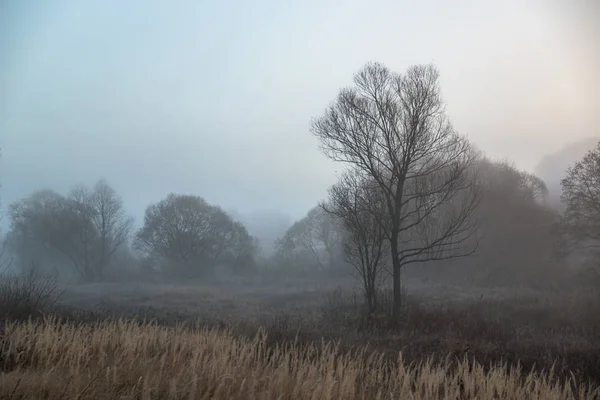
125, 359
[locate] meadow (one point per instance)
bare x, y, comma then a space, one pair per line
302, 339
123, 359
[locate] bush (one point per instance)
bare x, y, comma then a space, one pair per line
27, 294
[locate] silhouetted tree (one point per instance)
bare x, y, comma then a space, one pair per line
358, 205
393, 128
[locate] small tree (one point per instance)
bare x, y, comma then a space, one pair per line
394, 129
358, 206
581, 195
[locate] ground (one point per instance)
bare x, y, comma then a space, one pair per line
504, 333
494, 325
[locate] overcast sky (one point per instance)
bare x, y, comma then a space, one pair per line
214, 98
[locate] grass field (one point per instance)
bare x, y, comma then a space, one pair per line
296, 339
126, 360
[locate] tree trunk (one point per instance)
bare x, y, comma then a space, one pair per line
397, 308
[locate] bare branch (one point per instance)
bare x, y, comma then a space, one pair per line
354, 202
394, 130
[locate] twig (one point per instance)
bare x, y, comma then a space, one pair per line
15, 389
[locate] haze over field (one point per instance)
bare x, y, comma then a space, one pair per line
214, 98
416, 182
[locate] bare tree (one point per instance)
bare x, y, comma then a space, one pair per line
98, 220
84, 251
358, 206
394, 129
581, 195
112, 225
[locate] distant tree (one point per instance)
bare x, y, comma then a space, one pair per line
581, 196
504, 180
109, 220
358, 205
552, 167
315, 239
516, 230
35, 230
87, 227
394, 129
242, 250
192, 235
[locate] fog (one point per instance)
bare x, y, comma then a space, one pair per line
289, 168
215, 98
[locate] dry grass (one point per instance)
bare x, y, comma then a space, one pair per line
124, 359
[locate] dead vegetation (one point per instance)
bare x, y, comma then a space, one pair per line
124, 359
506, 344
30, 293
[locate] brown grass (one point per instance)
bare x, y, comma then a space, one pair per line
124, 359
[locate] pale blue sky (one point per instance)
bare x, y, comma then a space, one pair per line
214, 98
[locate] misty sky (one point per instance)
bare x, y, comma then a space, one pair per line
214, 98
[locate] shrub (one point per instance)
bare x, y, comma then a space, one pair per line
27, 294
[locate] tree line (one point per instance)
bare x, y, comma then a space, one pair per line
88, 230
413, 192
